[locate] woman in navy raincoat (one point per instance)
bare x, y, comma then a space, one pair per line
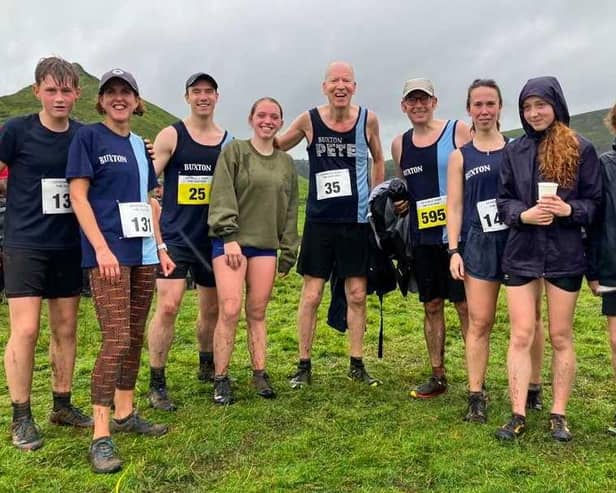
545, 241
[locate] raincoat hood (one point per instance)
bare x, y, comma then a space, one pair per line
547, 88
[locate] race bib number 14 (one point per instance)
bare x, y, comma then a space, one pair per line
55, 197
332, 184
194, 190
489, 216
432, 212
136, 219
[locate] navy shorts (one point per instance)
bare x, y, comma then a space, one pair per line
431, 265
198, 263
339, 247
42, 273
218, 249
483, 253
572, 284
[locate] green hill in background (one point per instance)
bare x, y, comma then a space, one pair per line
24, 102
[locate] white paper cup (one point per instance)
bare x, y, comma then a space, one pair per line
547, 188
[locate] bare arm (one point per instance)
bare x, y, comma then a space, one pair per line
376, 149
107, 262
455, 197
166, 264
299, 129
463, 134
164, 147
401, 207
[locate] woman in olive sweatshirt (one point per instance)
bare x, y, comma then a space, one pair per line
253, 213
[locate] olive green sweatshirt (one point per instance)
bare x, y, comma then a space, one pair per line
254, 200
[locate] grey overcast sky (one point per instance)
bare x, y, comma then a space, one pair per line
281, 48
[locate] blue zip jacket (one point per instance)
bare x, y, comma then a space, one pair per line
555, 250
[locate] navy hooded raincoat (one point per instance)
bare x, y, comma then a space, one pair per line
555, 250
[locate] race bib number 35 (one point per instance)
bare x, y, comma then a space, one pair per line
194, 190
489, 216
332, 184
432, 212
136, 219
55, 197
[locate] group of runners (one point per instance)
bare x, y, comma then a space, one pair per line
476, 205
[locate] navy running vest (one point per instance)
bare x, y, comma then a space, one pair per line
186, 196
425, 171
481, 174
338, 187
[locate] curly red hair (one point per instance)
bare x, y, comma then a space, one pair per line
559, 155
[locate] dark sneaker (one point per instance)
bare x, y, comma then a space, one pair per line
301, 377
26, 435
136, 424
159, 399
103, 456
435, 386
71, 416
477, 408
206, 372
534, 398
559, 429
263, 386
222, 390
513, 429
359, 374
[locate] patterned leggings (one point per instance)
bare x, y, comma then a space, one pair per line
122, 309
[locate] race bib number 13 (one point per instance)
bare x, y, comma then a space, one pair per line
194, 190
136, 219
55, 197
432, 212
332, 184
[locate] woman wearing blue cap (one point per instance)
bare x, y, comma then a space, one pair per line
550, 187
111, 176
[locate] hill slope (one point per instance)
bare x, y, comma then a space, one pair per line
23, 102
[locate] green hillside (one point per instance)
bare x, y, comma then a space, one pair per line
23, 102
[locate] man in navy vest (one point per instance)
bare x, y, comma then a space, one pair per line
335, 239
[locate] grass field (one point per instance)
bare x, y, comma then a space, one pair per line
335, 436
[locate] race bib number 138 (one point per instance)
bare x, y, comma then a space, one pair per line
55, 196
432, 212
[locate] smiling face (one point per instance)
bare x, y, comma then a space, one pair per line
339, 84
419, 106
484, 107
57, 98
538, 113
266, 119
202, 98
118, 101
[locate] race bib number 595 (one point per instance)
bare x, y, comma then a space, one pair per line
136, 219
432, 212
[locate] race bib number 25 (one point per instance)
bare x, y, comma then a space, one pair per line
432, 212
194, 190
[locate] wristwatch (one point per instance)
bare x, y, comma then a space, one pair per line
161, 246
452, 251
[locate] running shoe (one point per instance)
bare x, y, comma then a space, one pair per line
206, 372
477, 408
262, 384
71, 416
25, 434
303, 376
103, 456
223, 394
434, 387
559, 429
513, 429
136, 424
534, 398
361, 375
159, 399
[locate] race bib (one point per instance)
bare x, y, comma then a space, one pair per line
194, 190
332, 184
55, 197
489, 216
432, 212
136, 219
